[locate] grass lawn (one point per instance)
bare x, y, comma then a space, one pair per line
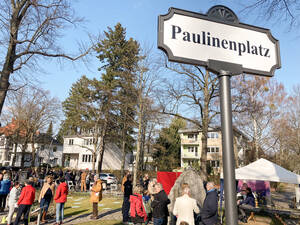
79, 203
78, 206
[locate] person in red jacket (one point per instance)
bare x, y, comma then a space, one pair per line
25, 201
137, 211
60, 199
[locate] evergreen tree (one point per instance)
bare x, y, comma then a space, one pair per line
50, 129
167, 154
120, 60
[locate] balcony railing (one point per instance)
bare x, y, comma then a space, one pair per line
189, 141
190, 155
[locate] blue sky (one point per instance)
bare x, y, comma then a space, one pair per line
139, 17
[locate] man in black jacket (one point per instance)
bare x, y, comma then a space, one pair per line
127, 192
209, 211
159, 204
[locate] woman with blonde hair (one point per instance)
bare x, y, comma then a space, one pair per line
96, 195
137, 211
46, 196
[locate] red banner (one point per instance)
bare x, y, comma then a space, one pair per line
167, 179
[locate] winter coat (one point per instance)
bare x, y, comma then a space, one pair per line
96, 192
184, 209
209, 210
160, 205
249, 200
45, 188
127, 188
27, 196
137, 207
13, 196
5, 187
61, 193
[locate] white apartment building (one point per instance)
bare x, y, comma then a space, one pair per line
48, 151
76, 154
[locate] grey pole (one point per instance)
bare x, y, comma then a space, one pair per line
227, 150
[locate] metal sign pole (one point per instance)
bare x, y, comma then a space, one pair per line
227, 149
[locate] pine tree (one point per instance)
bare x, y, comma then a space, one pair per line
50, 130
120, 59
167, 155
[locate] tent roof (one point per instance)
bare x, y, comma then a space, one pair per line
265, 170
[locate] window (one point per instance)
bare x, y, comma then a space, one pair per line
71, 141
192, 136
55, 161
214, 163
87, 158
88, 141
213, 149
193, 149
42, 147
212, 135
54, 149
2, 141
41, 160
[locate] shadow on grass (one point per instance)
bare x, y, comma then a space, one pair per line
109, 212
76, 213
88, 214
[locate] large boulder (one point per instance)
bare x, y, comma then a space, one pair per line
193, 179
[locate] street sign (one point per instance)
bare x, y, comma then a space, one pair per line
194, 38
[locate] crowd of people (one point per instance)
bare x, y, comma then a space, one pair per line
144, 203
148, 201
19, 188
78, 178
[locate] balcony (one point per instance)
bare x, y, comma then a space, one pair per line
189, 141
190, 155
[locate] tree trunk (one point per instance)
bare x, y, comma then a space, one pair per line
23, 149
101, 154
8, 66
255, 139
123, 155
15, 154
205, 123
102, 145
143, 139
33, 155
138, 147
4, 85
94, 157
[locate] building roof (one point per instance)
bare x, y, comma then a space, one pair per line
43, 138
12, 128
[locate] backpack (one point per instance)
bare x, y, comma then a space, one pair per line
147, 206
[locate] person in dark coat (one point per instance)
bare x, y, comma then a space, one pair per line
159, 205
209, 212
248, 203
127, 187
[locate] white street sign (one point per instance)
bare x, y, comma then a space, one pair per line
195, 38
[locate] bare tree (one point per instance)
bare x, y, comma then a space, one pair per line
279, 10
192, 96
33, 109
257, 102
29, 30
147, 80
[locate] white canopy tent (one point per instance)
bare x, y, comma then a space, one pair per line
265, 170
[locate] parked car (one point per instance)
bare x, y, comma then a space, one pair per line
108, 178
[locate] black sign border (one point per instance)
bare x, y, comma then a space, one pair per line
173, 58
